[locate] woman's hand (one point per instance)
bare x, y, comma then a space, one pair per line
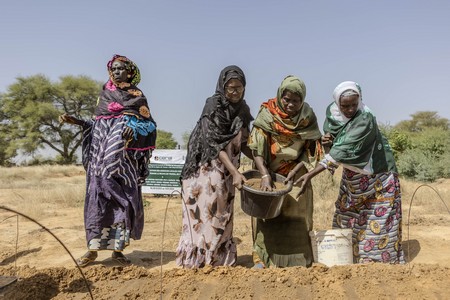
238, 180
303, 180
306, 178
327, 140
290, 177
65, 118
294, 172
266, 183
127, 133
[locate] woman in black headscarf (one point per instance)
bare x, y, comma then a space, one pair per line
210, 175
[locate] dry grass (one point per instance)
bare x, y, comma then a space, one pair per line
426, 203
40, 190
33, 176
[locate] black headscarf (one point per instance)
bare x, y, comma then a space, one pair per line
219, 123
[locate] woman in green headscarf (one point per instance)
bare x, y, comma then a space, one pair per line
369, 200
284, 137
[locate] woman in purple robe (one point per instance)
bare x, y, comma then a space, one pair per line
117, 146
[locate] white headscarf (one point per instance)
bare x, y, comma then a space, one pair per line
345, 86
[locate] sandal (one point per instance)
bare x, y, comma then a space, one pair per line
259, 266
120, 258
87, 258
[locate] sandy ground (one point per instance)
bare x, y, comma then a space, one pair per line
46, 271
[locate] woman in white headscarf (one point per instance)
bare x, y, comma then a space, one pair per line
369, 200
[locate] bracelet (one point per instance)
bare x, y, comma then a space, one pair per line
264, 176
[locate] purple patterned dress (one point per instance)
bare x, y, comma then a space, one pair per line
117, 166
370, 205
113, 210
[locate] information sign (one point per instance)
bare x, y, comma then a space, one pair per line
165, 169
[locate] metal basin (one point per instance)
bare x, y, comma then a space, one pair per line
260, 204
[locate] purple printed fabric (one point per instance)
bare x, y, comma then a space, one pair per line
370, 205
113, 195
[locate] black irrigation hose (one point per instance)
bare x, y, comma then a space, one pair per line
410, 204
62, 244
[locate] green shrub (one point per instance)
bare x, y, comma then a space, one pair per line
421, 165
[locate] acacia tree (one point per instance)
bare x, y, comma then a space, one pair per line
422, 120
185, 137
5, 138
30, 110
165, 140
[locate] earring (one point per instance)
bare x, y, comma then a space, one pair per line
129, 76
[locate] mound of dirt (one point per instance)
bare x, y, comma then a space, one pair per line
46, 271
370, 281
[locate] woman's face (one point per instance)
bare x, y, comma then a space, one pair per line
348, 105
119, 71
234, 90
292, 103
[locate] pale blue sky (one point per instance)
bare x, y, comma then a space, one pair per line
399, 51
